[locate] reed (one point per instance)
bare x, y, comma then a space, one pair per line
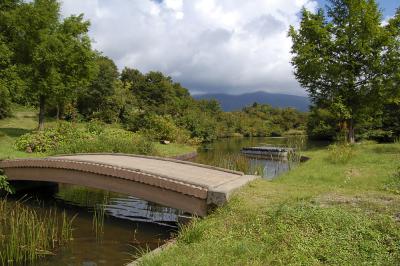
26, 235
296, 145
99, 213
340, 153
239, 162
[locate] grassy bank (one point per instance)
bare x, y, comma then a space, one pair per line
25, 121
326, 211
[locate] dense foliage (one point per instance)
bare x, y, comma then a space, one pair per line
349, 62
52, 56
262, 121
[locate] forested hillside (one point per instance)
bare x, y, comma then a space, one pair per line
230, 102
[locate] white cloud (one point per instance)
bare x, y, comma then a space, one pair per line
227, 46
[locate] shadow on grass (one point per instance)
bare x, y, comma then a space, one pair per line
14, 132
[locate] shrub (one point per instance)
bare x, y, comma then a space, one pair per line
158, 127
95, 127
66, 138
340, 153
49, 139
112, 143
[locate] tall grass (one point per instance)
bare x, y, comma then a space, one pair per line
238, 162
26, 235
340, 153
296, 145
99, 213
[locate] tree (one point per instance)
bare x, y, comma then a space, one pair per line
392, 59
53, 57
93, 99
339, 59
157, 93
5, 68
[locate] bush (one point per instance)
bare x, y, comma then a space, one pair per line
158, 128
49, 139
161, 128
108, 143
340, 153
66, 138
95, 127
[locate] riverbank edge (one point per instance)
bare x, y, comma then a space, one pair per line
153, 252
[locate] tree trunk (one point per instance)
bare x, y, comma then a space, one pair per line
351, 135
42, 105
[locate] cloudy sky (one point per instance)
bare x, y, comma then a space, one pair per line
210, 46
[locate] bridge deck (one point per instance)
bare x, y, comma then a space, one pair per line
188, 186
194, 174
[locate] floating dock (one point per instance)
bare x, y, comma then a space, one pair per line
267, 152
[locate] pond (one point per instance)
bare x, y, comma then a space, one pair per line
131, 225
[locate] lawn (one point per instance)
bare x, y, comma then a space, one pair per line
322, 212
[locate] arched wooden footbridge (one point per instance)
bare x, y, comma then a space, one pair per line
179, 184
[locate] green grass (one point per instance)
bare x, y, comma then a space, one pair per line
322, 212
25, 121
173, 149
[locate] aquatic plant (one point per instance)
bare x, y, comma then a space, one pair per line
238, 162
296, 145
99, 213
27, 235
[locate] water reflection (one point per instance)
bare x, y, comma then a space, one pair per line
119, 206
138, 210
271, 168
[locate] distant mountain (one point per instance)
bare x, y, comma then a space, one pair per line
231, 102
